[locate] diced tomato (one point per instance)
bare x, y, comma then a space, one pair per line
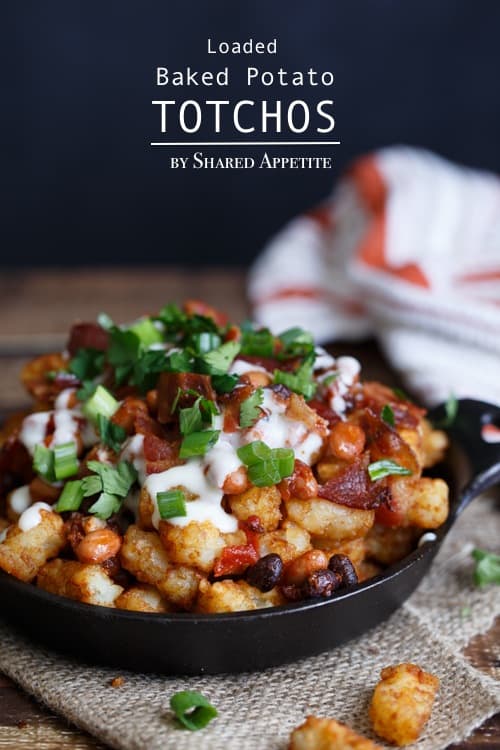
197, 307
235, 559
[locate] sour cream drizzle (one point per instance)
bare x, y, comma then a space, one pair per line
67, 424
32, 516
20, 499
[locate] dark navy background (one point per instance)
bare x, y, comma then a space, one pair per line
80, 183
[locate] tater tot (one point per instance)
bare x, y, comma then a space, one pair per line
402, 703
327, 520
22, 553
327, 734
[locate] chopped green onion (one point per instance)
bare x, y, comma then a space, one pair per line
204, 342
102, 402
146, 332
198, 443
451, 411
385, 468
171, 504
254, 453
387, 415
286, 461
217, 361
111, 434
250, 408
192, 709
265, 473
71, 497
401, 394
105, 505
65, 460
266, 466
43, 462
487, 568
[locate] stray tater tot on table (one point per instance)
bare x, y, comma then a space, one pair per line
402, 703
328, 734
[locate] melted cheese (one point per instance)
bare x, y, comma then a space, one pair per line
207, 503
32, 516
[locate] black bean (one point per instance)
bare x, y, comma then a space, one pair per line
343, 567
266, 572
321, 583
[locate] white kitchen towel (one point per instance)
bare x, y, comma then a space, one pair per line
407, 248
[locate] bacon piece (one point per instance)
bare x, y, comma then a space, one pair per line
384, 441
129, 412
87, 336
168, 387
34, 377
160, 454
324, 411
353, 487
234, 560
197, 307
375, 396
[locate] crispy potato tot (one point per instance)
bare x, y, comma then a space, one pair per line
33, 375
143, 555
388, 545
263, 502
327, 520
327, 734
328, 467
234, 596
145, 511
288, 542
180, 586
434, 445
142, 598
22, 553
85, 583
402, 703
196, 544
421, 501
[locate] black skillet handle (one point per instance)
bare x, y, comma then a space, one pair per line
467, 430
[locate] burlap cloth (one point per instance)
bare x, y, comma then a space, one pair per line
258, 711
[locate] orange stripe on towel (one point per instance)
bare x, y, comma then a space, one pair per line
314, 293
373, 192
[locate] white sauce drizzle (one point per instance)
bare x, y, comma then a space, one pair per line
67, 423
207, 505
34, 429
64, 398
279, 431
346, 370
32, 516
323, 360
240, 367
133, 451
20, 499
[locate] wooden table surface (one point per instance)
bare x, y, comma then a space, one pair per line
36, 309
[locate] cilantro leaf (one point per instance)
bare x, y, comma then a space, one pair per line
301, 381
147, 368
105, 505
224, 383
115, 480
296, 342
249, 409
387, 415
87, 364
217, 361
487, 568
111, 434
198, 443
385, 468
257, 343
451, 411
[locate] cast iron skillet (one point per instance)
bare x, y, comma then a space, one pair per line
238, 642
